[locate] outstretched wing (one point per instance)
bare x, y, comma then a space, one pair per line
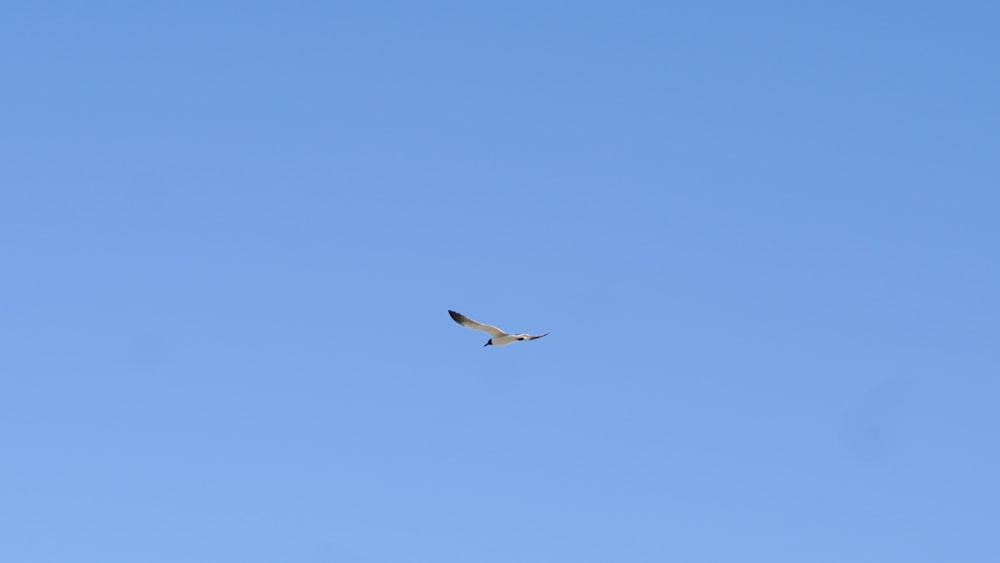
537, 337
469, 323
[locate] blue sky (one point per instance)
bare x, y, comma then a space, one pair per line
764, 237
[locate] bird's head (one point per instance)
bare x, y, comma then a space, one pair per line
488, 343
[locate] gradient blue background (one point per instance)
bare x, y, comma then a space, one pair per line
765, 238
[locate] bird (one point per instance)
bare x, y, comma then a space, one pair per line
497, 336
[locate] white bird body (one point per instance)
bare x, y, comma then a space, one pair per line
508, 339
497, 336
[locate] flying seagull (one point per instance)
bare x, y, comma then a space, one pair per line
497, 336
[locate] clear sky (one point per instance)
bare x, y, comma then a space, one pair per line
765, 237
